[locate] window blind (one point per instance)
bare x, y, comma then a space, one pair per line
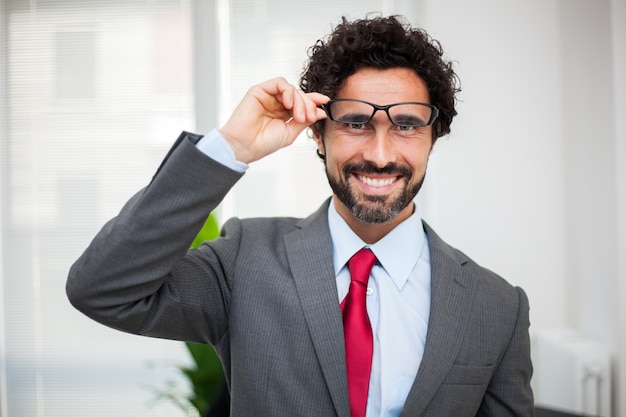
269, 39
92, 94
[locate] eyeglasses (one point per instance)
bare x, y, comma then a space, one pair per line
359, 112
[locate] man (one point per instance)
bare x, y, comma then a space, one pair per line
441, 335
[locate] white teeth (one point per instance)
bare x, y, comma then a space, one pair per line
372, 182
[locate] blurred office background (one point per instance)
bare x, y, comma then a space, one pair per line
531, 183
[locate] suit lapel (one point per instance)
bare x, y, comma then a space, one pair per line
452, 295
309, 251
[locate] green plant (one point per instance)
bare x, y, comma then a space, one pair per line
206, 377
209, 231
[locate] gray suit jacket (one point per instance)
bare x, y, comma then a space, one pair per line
264, 295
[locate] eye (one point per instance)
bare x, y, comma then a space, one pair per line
406, 128
355, 125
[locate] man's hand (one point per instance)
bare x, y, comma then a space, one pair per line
270, 117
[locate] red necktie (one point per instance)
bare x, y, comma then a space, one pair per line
358, 332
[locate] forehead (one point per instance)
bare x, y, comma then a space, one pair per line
385, 86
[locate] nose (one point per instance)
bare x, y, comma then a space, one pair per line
378, 148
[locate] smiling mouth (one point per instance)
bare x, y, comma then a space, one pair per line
377, 182
375, 178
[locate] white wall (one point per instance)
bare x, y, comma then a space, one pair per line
618, 15
498, 179
532, 181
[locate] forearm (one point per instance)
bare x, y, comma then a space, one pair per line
119, 280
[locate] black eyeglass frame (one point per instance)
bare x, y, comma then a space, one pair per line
433, 115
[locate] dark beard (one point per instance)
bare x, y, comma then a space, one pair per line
374, 209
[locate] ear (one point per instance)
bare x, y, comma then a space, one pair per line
319, 140
432, 144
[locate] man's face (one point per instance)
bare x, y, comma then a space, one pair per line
376, 169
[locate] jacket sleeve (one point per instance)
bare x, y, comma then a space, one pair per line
509, 392
137, 275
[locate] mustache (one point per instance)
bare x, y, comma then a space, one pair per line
368, 168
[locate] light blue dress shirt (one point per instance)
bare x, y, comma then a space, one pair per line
398, 301
398, 305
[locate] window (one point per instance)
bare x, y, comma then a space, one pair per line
272, 37
92, 94
89, 107
75, 64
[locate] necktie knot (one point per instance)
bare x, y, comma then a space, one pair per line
360, 265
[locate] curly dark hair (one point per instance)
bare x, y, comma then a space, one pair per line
382, 43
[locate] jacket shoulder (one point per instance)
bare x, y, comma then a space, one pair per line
488, 280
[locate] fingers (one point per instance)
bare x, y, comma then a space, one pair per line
309, 112
302, 107
270, 117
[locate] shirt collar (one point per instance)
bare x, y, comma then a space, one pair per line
397, 252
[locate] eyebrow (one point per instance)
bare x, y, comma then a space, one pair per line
407, 119
355, 116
